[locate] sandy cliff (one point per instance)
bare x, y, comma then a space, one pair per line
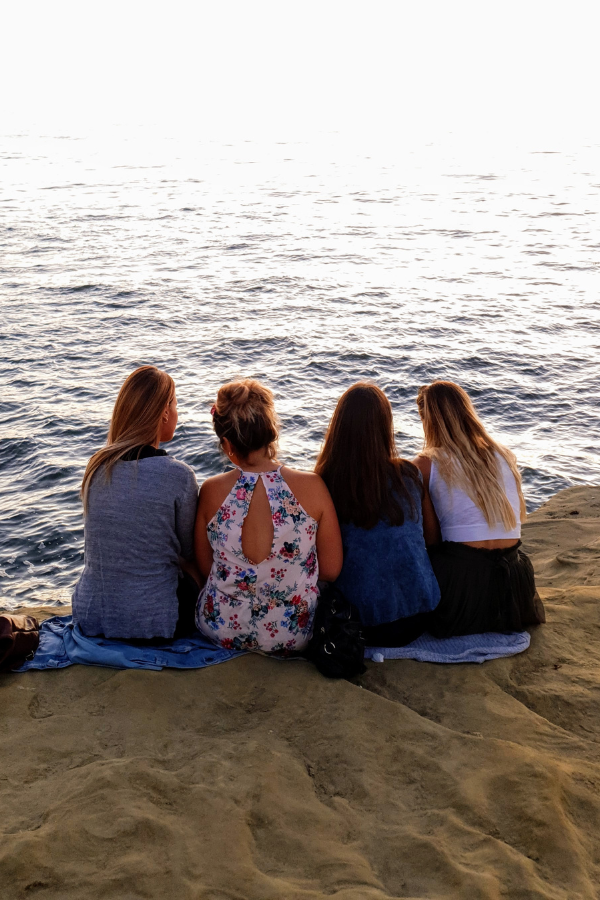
258, 779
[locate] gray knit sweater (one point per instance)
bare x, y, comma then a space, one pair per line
138, 524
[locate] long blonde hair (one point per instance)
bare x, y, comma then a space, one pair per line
135, 420
244, 413
464, 452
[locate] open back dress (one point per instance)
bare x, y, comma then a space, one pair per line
270, 605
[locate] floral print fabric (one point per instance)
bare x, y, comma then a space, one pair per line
267, 606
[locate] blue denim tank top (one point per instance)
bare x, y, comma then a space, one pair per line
386, 572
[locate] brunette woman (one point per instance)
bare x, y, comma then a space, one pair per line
264, 533
381, 505
140, 506
486, 580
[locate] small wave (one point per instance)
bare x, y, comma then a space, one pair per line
81, 288
63, 187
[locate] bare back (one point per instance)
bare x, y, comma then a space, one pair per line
257, 530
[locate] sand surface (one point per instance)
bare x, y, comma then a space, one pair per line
258, 779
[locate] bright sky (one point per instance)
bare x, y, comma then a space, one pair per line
261, 67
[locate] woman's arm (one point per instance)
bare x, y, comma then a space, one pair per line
204, 552
186, 506
329, 539
431, 525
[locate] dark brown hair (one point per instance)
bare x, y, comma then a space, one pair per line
244, 413
359, 462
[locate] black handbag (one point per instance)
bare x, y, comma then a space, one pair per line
19, 639
337, 647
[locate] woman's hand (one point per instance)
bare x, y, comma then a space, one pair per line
190, 567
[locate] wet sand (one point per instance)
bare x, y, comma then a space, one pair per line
259, 779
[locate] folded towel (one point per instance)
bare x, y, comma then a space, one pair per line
476, 648
63, 644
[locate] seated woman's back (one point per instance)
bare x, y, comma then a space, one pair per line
379, 500
386, 571
487, 582
138, 526
258, 530
140, 510
264, 534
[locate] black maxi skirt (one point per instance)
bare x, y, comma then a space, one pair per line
398, 633
483, 590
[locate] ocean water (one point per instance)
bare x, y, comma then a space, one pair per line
309, 265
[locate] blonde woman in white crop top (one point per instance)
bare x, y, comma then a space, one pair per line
486, 580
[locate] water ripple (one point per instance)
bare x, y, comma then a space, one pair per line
306, 270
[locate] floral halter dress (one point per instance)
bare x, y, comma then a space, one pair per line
267, 606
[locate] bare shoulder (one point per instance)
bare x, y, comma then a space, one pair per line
309, 488
215, 489
218, 482
309, 481
423, 464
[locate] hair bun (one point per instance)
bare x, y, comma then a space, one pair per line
245, 415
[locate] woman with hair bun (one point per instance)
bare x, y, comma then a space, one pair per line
486, 580
264, 533
139, 506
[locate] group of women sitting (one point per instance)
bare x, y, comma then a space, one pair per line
430, 545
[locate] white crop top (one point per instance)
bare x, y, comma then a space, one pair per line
461, 519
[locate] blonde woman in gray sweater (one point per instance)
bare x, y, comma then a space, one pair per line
140, 507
